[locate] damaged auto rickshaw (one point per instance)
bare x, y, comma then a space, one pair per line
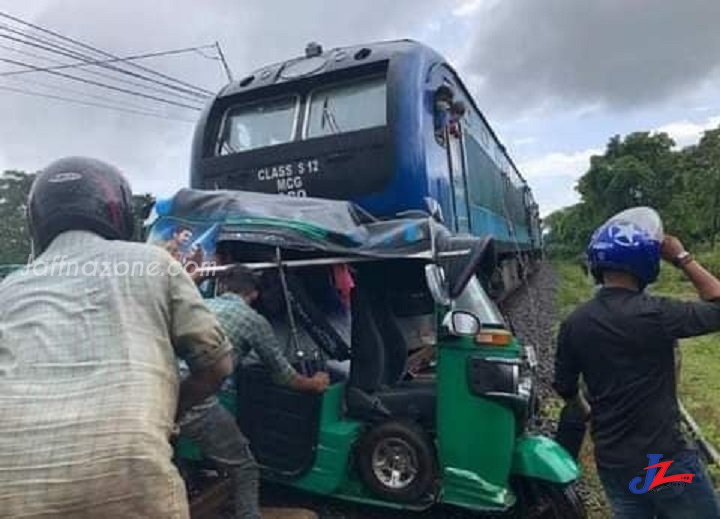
355, 296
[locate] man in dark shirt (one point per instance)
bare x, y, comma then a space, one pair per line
622, 342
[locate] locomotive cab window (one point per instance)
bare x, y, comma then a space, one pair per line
258, 124
346, 107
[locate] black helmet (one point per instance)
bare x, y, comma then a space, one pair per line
79, 193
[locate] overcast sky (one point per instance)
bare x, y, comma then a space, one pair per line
556, 78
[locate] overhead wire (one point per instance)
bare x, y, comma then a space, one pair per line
62, 88
95, 73
90, 103
85, 62
55, 48
102, 85
113, 60
104, 53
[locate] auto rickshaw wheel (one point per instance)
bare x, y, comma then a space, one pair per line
396, 461
543, 500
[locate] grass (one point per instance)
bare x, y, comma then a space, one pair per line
699, 385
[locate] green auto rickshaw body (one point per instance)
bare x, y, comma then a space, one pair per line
478, 447
482, 383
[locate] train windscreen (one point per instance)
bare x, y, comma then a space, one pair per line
346, 107
322, 137
328, 110
258, 125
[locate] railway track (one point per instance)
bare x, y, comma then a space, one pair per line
707, 449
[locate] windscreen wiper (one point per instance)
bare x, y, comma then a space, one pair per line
225, 145
328, 117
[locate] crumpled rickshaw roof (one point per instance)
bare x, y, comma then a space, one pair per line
298, 223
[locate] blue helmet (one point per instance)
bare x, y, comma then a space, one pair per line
628, 242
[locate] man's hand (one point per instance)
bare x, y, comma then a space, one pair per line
318, 383
670, 248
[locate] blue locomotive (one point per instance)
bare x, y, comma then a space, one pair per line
389, 126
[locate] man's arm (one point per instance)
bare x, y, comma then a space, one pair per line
263, 340
202, 384
567, 375
707, 285
567, 372
683, 319
199, 340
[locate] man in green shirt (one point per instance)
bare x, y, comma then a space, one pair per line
209, 425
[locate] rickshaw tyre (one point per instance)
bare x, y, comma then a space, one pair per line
423, 448
564, 500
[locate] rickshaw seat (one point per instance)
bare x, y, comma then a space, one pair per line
379, 358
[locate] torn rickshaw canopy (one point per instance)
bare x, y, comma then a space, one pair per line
300, 223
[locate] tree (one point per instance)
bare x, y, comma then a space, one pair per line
568, 230
705, 184
14, 234
635, 171
646, 169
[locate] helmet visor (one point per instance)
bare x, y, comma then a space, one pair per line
644, 218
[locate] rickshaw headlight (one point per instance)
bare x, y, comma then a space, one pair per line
494, 377
525, 387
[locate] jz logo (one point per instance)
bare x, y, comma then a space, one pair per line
656, 476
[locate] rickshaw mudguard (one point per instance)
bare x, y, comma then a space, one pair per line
542, 458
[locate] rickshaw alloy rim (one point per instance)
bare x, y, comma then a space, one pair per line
394, 463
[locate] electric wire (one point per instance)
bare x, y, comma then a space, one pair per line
113, 60
103, 85
62, 88
90, 103
104, 53
95, 73
50, 46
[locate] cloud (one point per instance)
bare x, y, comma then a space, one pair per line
553, 176
554, 192
620, 54
155, 152
686, 132
524, 141
572, 165
470, 7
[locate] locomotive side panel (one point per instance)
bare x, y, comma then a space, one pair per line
493, 191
